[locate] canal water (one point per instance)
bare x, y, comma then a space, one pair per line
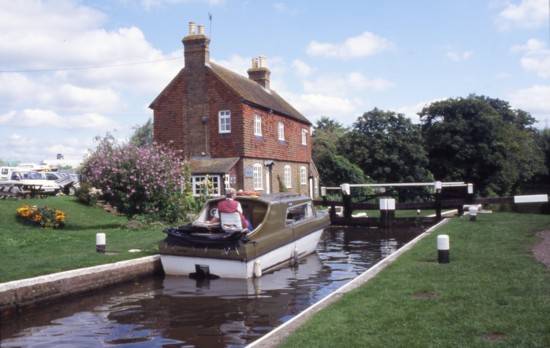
182, 312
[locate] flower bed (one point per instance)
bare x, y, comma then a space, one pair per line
41, 216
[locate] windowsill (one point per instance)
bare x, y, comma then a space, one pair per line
259, 137
225, 133
282, 142
258, 189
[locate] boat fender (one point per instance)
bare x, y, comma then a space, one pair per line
257, 269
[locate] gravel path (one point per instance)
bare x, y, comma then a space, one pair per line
541, 250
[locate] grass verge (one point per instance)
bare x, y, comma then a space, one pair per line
28, 251
493, 293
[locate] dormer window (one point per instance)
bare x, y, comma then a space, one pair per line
281, 131
224, 121
304, 136
257, 125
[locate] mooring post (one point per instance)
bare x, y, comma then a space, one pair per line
387, 211
100, 242
438, 186
443, 248
472, 211
332, 212
470, 191
346, 200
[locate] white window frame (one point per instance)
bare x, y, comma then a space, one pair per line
287, 176
281, 131
257, 125
303, 175
304, 136
224, 121
257, 176
197, 180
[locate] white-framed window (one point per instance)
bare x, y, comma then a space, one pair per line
257, 176
224, 121
281, 131
206, 185
304, 136
257, 125
287, 175
303, 175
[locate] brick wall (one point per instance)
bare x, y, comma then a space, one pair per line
277, 171
223, 98
168, 127
268, 146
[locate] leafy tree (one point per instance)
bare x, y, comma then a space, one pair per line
334, 169
143, 135
388, 147
481, 140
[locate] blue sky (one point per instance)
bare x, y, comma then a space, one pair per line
327, 58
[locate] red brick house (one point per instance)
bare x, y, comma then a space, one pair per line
236, 131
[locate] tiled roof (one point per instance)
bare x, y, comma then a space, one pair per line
213, 165
256, 94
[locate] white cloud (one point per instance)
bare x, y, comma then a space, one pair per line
7, 117
32, 118
301, 68
525, 14
363, 45
52, 93
23, 148
345, 85
317, 105
536, 57
459, 56
63, 34
534, 99
148, 4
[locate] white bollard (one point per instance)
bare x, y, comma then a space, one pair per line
443, 248
100, 242
472, 211
257, 269
470, 189
346, 189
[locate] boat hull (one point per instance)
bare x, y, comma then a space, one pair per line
227, 268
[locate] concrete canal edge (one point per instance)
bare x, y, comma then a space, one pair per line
19, 294
275, 337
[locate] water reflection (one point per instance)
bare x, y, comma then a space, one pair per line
182, 312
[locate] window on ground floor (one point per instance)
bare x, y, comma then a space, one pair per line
208, 185
303, 175
257, 176
287, 175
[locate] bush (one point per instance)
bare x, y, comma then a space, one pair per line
87, 194
42, 216
137, 180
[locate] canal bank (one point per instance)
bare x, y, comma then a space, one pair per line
279, 334
492, 292
18, 295
216, 313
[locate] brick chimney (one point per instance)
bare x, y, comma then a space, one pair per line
196, 46
259, 71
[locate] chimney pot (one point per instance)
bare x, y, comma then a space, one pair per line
201, 29
259, 72
192, 28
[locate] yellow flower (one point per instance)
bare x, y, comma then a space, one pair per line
37, 217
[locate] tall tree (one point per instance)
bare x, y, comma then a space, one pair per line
388, 147
143, 135
482, 140
334, 169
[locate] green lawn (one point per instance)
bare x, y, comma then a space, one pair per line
493, 293
27, 251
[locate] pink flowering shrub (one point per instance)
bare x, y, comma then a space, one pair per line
136, 180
